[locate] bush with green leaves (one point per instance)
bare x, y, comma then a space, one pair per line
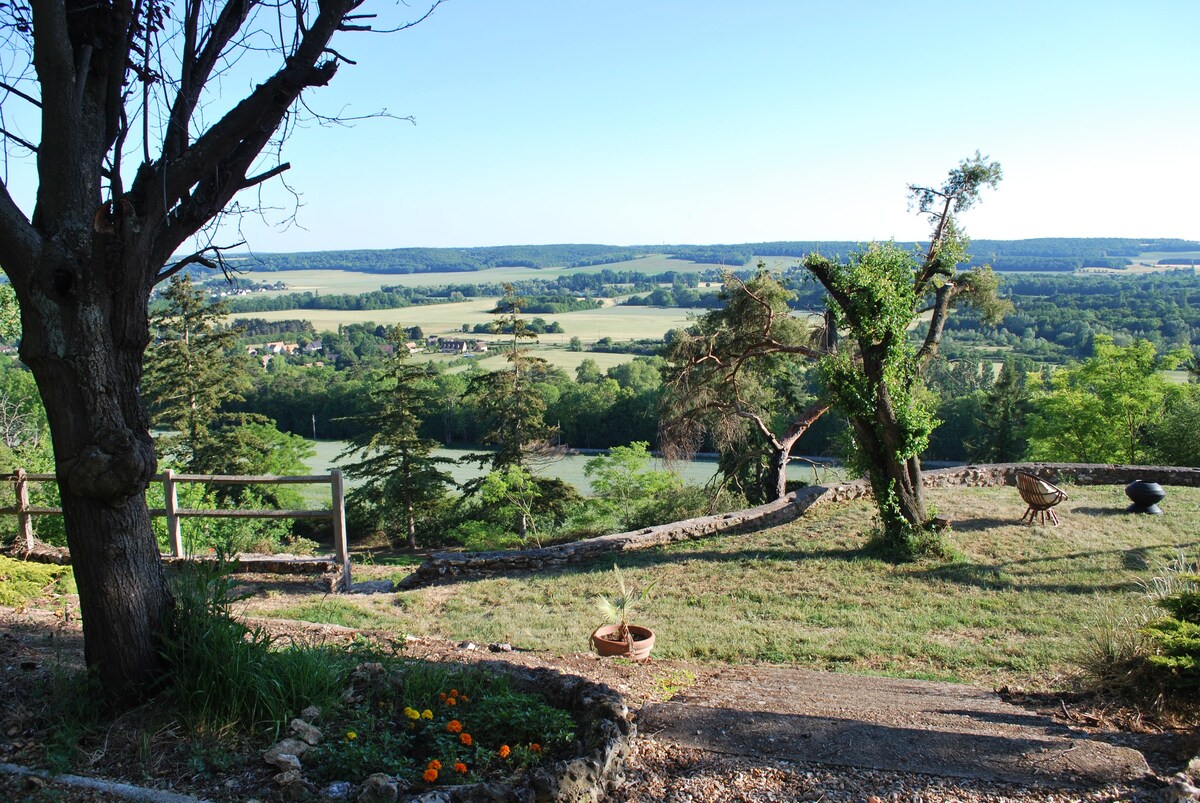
625, 484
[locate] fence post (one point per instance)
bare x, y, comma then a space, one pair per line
24, 520
339, 526
171, 502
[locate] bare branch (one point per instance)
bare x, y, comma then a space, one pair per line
408, 25
24, 143
198, 258
261, 177
12, 89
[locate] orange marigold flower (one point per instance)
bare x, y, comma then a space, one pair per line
462, 698
504, 751
435, 765
454, 726
443, 696
454, 692
430, 775
451, 701
465, 738
460, 767
535, 747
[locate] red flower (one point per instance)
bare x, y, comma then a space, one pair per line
430, 775
460, 767
454, 726
465, 738
435, 765
535, 747
504, 751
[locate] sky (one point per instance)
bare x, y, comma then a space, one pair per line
696, 121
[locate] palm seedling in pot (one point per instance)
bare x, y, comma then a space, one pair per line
620, 637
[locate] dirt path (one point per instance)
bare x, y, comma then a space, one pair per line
941, 729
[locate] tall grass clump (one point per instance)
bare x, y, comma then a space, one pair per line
1149, 659
224, 677
1175, 638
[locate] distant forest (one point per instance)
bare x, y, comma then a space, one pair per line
1041, 254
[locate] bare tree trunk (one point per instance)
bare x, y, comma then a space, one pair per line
781, 453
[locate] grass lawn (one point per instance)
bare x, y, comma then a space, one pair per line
1018, 606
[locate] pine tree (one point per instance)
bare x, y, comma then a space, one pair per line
515, 411
192, 370
401, 475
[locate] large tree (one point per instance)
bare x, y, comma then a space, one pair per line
129, 166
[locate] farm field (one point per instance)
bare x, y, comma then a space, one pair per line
556, 356
1017, 605
333, 281
619, 323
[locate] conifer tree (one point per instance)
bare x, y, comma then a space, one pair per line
192, 371
401, 475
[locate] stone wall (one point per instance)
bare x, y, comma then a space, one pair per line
446, 565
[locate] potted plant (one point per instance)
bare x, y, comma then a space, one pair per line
620, 637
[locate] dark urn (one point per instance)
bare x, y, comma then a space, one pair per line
1145, 496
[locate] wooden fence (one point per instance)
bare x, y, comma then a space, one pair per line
174, 514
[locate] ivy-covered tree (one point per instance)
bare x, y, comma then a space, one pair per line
878, 297
732, 377
402, 477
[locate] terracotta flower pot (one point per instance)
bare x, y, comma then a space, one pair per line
604, 639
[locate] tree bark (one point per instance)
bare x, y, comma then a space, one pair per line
84, 344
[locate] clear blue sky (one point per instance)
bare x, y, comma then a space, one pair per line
695, 121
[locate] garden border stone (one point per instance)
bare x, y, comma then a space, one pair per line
448, 566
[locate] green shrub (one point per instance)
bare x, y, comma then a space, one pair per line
22, 582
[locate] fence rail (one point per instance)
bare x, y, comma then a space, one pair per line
174, 514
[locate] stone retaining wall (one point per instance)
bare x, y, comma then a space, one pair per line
447, 565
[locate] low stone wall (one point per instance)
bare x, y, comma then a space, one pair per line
447, 565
